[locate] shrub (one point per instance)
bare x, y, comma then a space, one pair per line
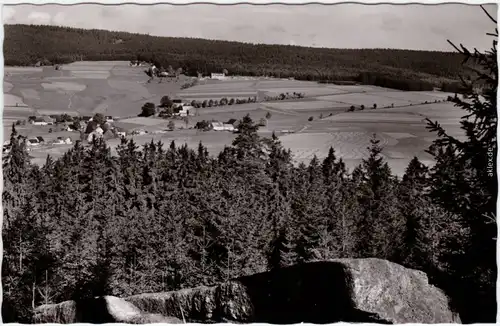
171, 125
310, 119
147, 110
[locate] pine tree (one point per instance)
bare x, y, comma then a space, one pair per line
380, 224
413, 203
279, 253
468, 186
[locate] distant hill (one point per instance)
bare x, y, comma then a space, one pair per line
27, 44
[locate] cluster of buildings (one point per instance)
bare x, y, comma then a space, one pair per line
230, 125
218, 76
42, 121
86, 126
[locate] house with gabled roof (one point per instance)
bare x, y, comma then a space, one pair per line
42, 121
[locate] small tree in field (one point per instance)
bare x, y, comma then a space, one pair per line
99, 118
268, 115
166, 102
171, 125
148, 109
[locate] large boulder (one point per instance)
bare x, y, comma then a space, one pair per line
98, 310
349, 290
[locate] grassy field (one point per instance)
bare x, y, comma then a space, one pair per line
114, 88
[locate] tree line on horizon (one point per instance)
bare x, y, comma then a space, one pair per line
24, 45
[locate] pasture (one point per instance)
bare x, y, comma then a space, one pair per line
307, 126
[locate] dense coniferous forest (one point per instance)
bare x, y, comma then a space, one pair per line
166, 217
402, 69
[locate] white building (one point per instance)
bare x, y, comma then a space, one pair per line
219, 126
33, 142
217, 76
59, 141
42, 121
228, 127
187, 110
98, 132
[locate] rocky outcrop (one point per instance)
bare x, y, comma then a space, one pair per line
106, 309
349, 290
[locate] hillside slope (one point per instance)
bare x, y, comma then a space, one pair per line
27, 44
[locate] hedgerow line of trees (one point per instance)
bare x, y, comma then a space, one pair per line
401, 69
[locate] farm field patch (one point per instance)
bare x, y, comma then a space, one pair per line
12, 100
307, 91
414, 97
91, 74
366, 99
376, 117
303, 105
114, 88
143, 121
64, 86
30, 94
7, 87
218, 93
22, 70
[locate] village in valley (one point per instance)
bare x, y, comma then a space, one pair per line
54, 131
53, 106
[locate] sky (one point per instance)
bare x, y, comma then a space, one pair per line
418, 27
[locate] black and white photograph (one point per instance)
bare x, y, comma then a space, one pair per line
249, 163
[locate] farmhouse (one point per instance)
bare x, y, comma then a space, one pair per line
219, 126
218, 76
233, 122
177, 103
59, 141
185, 111
42, 121
33, 142
98, 132
109, 119
228, 127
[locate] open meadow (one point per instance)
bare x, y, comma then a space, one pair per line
308, 126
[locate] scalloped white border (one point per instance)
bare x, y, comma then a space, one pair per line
228, 2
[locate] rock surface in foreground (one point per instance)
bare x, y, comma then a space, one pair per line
350, 290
